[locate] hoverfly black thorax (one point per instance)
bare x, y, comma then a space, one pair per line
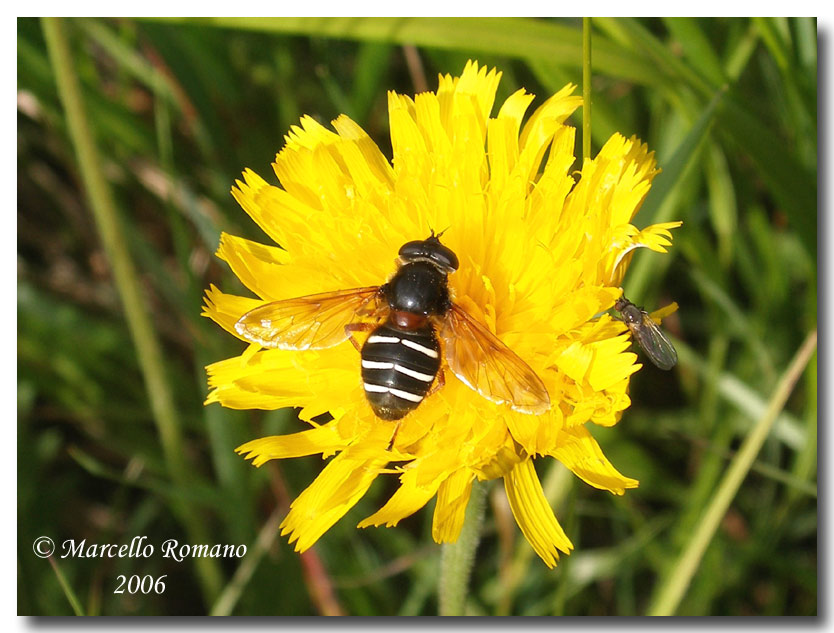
419, 288
420, 285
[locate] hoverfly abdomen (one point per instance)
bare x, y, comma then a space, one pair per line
398, 368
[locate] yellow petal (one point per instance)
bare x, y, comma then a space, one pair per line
336, 490
610, 365
407, 500
626, 239
452, 498
310, 135
579, 451
324, 439
502, 138
272, 379
472, 96
255, 265
575, 360
663, 312
225, 309
533, 514
541, 129
283, 217
555, 109
368, 165
498, 464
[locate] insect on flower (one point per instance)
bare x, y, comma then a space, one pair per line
401, 357
534, 256
647, 334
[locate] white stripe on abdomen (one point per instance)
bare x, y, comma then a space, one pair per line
382, 339
414, 374
420, 348
372, 364
405, 395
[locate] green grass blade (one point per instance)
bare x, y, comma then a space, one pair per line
655, 208
739, 53
793, 185
697, 48
126, 57
586, 89
514, 37
794, 188
372, 61
232, 592
723, 210
654, 52
739, 323
787, 429
112, 236
671, 590
774, 38
806, 43
66, 588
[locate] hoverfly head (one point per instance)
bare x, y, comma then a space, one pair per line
432, 251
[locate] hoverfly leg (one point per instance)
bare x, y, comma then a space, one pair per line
350, 328
439, 383
437, 386
394, 435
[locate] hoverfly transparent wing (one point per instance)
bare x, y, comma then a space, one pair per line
654, 342
311, 322
482, 361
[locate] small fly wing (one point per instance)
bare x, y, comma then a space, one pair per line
311, 322
654, 343
482, 361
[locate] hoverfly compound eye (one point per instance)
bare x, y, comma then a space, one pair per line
445, 257
411, 251
430, 250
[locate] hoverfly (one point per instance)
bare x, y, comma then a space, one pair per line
647, 334
407, 318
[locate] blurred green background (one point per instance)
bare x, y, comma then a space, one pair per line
178, 108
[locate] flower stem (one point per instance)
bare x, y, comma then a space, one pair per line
457, 558
586, 89
671, 591
113, 240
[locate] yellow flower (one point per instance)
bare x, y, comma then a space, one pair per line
542, 254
